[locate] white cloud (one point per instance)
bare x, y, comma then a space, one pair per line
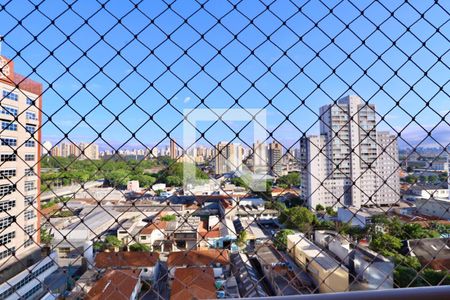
187, 99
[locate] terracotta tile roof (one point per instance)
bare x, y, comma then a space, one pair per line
115, 285
193, 283
205, 233
198, 258
126, 259
157, 225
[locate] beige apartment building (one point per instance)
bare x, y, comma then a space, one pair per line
20, 140
350, 163
228, 158
89, 150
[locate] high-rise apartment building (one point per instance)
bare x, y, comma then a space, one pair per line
89, 150
173, 149
275, 161
349, 162
260, 160
228, 158
20, 138
55, 151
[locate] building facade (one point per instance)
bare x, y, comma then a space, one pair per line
349, 163
275, 161
20, 165
228, 158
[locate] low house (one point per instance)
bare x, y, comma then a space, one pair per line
434, 207
354, 216
193, 283
116, 284
146, 262
427, 191
433, 252
217, 259
327, 273
166, 236
221, 235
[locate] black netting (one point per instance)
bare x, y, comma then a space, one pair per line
200, 149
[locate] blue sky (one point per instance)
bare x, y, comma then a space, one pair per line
146, 85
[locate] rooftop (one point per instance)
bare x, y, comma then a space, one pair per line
198, 258
314, 252
126, 259
115, 285
193, 283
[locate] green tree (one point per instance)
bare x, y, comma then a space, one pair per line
301, 218
330, 211
138, 247
168, 218
289, 180
112, 242
242, 239
280, 240
385, 244
319, 207
46, 237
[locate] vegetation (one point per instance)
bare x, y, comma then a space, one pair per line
280, 240
168, 218
116, 172
62, 214
389, 244
289, 180
432, 179
242, 239
139, 248
46, 237
330, 211
55, 201
111, 242
298, 217
319, 207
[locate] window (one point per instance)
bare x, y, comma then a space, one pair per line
29, 214
29, 157
7, 252
6, 189
30, 143
30, 101
29, 200
29, 186
29, 172
6, 222
7, 205
30, 115
7, 173
8, 110
6, 125
8, 142
10, 95
25, 280
7, 157
6, 238
29, 229
28, 243
30, 128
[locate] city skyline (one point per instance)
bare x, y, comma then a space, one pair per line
143, 93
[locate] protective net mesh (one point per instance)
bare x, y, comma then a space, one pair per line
201, 149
